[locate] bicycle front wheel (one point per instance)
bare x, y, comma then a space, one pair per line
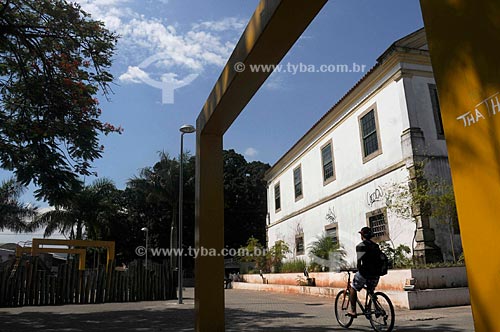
381, 312
341, 308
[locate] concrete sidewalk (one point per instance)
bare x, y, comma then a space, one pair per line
245, 311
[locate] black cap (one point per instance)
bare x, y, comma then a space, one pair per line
366, 232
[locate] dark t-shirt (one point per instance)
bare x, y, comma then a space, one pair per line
367, 260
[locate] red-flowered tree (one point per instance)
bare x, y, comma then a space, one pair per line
54, 61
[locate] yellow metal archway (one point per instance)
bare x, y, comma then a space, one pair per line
74, 247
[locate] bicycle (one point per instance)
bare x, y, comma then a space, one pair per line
378, 308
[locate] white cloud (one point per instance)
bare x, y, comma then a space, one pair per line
110, 12
251, 152
133, 75
228, 23
275, 82
205, 44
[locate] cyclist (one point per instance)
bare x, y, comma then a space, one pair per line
368, 269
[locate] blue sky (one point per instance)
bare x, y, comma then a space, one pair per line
196, 37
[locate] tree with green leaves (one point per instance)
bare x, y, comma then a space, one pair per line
276, 254
443, 208
430, 196
398, 256
254, 252
154, 199
13, 214
87, 215
151, 200
54, 60
327, 253
245, 200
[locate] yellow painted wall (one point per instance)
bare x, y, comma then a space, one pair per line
464, 40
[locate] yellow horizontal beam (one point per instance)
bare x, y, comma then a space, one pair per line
272, 30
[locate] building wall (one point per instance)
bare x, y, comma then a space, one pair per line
347, 154
402, 100
434, 149
350, 210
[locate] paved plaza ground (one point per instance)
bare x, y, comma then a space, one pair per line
245, 311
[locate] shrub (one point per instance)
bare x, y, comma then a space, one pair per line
253, 247
397, 256
327, 254
315, 267
276, 254
295, 265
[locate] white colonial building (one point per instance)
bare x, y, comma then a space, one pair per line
334, 180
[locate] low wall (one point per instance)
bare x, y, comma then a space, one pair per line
436, 278
432, 288
449, 277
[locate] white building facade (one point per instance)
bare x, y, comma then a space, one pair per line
335, 179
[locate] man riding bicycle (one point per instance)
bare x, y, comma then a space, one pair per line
368, 269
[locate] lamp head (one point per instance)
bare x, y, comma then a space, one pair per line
144, 229
187, 129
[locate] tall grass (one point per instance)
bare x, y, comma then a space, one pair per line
295, 265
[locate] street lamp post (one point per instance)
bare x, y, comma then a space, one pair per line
185, 129
145, 229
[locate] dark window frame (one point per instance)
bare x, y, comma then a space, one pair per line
371, 219
298, 185
364, 136
277, 198
300, 244
329, 228
333, 176
436, 111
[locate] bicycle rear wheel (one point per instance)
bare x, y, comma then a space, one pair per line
342, 306
381, 312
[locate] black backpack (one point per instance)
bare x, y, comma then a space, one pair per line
377, 260
382, 263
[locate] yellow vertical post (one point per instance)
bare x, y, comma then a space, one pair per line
209, 234
110, 253
464, 38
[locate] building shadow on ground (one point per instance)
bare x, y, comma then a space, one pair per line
177, 319
242, 320
130, 320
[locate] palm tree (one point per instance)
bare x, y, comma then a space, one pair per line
13, 214
156, 198
91, 209
327, 253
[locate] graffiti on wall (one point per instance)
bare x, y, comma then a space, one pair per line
375, 196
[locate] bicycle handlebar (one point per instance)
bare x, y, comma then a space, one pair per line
349, 270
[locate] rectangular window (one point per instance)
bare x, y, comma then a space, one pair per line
327, 160
297, 182
277, 197
370, 139
377, 221
299, 244
436, 110
332, 232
